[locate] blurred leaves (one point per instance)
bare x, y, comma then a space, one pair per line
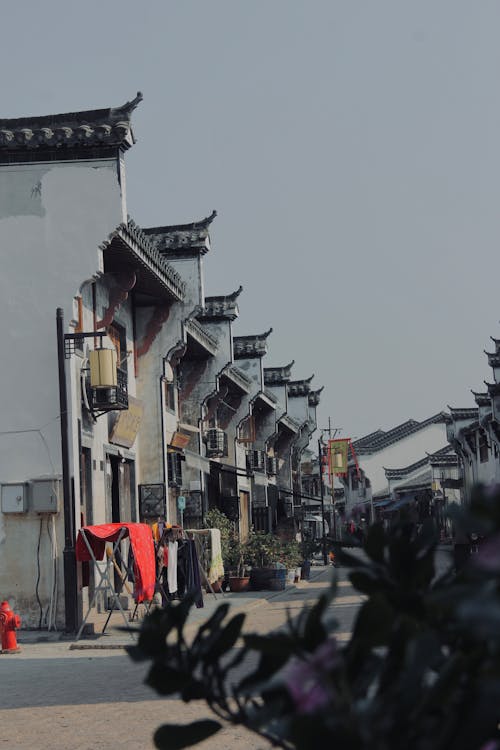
421, 670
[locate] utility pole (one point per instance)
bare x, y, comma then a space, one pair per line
322, 495
331, 436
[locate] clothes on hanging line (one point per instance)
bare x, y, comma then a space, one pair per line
172, 567
188, 571
159, 527
178, 571
141, 542
209, 548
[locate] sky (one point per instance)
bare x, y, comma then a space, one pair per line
351, 149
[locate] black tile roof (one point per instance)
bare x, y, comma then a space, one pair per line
94, 128
405, 470
481, 399
278, 375
299, 387
183, 239
397, 433
463, 413
221, 307
251, 346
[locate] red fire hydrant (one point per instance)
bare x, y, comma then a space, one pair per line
9, 622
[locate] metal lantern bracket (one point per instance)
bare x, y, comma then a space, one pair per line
72, 340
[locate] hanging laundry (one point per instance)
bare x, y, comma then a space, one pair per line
172, 567
216, 569
141, 541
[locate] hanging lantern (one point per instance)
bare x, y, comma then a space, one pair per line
338, 460
103, 372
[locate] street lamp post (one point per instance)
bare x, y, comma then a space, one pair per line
70, 589
69, 557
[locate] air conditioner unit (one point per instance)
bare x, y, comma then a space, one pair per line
256, 459
174, 469
215, 441
272, 465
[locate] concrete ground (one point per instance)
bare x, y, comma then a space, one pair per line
93, 698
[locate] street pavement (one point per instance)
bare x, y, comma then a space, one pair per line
91, 695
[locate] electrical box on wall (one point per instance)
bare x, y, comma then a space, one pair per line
45, 494
14, 498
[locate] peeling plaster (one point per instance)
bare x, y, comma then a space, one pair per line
153, 328
117, 296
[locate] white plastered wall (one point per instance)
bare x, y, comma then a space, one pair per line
53, 217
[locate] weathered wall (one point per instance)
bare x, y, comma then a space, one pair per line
53, 218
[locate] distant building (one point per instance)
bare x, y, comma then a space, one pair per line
475, 433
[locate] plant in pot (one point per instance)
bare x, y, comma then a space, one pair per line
264, 554
291, 557
309, 548
238, 575
216, 519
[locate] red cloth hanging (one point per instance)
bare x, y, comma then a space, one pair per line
141, 541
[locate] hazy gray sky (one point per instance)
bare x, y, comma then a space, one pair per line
351, 149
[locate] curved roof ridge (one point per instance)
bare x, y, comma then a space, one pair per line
201, 224
95, 128
254, 336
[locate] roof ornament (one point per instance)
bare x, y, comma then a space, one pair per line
208, 220
237, 293
129, 107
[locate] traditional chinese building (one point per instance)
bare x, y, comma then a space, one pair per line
124, 395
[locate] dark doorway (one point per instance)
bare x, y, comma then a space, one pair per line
86, 486
115, 490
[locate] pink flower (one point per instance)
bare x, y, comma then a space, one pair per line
307, 679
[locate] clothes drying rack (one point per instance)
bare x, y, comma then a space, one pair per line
106, 584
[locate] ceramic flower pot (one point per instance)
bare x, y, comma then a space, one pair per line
216, 587
238, 583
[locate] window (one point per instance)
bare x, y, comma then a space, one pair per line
170, 389
483, 448
118, 336
174, 463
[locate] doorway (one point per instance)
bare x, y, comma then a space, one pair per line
244, 515
120, 490
86, 486
120, 501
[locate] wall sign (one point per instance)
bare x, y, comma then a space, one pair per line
126, 426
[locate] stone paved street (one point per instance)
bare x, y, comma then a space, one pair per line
59, 698
55, 697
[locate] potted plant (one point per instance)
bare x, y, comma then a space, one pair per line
291, 557
309, 547
265, 553
238, 575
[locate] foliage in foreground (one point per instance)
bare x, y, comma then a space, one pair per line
421, 670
